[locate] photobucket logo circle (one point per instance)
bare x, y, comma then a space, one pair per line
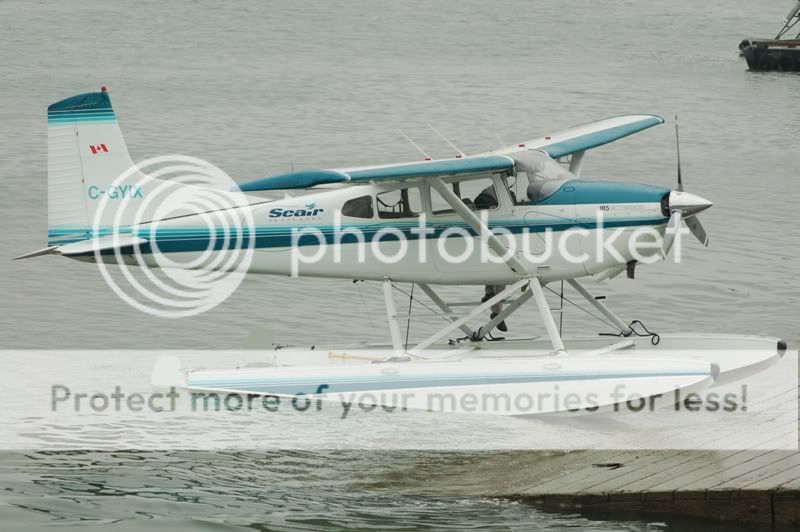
183, 216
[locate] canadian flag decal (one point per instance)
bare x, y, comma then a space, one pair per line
98, 148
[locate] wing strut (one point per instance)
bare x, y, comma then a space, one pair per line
576, 162
497, 246
483, 231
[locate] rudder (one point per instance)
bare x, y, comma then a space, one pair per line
85, 154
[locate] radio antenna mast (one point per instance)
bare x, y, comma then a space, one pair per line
423, 152
459, 152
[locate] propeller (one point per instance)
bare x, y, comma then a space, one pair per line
678, 151
683, 206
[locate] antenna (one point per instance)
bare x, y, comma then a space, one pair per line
488, 121
678, 150
423, 152
459, 152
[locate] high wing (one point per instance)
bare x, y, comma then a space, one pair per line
573, 141
393, 172
588, 136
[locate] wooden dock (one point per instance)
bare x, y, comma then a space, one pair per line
747, 474
758, 487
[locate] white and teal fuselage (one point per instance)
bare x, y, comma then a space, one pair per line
87, 155
282, 230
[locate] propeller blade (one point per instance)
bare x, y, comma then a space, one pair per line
697, 230
672, 230
678, 149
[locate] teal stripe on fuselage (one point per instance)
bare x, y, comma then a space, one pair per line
185, 239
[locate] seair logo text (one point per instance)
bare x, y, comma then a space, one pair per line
310, 209
115, 192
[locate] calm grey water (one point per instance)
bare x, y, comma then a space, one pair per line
258, 88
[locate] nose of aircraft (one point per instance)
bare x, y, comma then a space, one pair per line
687, 203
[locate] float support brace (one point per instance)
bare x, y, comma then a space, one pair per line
547, 316
475, 312
391, 314
506, 312
600, 306
448, 312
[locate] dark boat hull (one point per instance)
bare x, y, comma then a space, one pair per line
780, 56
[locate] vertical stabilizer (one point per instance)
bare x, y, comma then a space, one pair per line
85, 154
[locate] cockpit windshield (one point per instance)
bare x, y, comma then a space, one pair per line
538, 176
539, 165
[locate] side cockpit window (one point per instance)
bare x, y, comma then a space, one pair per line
400, 203
360, 207
477, 194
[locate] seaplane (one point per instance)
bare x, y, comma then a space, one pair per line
512, 220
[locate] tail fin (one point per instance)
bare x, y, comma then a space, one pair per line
94, 188
85, 155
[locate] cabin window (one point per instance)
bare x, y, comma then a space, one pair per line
477, 194
360, 207
400, 203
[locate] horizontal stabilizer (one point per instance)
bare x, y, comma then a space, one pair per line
46, 251
103, 243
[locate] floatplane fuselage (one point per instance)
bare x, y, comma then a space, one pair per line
512, 219
429, 221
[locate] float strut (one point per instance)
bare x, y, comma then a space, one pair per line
599, 305
486, 305
391, 314
547, 316
448, 312
506, 312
